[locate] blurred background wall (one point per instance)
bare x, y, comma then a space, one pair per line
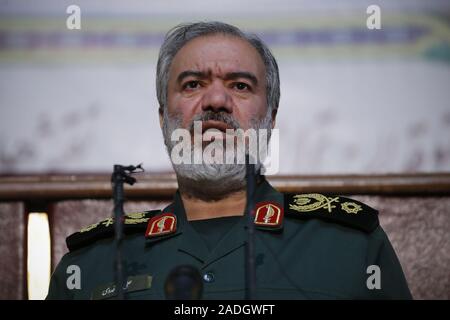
353, 100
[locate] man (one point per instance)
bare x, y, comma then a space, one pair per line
307, 246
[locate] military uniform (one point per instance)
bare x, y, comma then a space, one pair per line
308, 246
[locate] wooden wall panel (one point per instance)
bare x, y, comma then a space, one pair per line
12, 251
419, 230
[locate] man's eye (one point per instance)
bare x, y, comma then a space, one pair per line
241, 86
191, 85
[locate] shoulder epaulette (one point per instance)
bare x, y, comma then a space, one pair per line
132, 223
341, 210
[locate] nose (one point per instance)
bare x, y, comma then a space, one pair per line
217, 99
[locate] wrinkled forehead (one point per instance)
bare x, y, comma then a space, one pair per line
218, 55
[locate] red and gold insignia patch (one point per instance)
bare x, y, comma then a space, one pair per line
268, 214
162, 224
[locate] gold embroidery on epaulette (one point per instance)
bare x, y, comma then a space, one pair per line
351, 207
136, 221
135, 215
89, 227
303, 202
108, 222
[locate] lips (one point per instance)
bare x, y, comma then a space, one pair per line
213, 124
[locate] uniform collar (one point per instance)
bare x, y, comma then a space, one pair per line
190, 242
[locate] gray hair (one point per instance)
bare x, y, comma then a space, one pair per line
177, 37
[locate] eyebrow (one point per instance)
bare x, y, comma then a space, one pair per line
190, 73
229, 76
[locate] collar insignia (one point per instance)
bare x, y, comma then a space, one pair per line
268, 215
163, 224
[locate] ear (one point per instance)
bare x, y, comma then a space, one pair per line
161, 112
274, 117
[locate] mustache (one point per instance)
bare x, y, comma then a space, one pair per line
215, 116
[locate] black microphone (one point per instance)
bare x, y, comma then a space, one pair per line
120, 175
184, 283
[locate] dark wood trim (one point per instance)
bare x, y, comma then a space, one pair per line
163, 185
387, 184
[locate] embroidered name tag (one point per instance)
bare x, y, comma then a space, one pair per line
134, 283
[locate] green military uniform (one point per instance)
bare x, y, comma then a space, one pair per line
307, 247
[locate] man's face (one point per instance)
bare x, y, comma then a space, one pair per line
220, 81
221, 74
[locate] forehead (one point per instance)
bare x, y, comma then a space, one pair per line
218, 54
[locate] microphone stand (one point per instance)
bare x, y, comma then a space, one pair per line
250, 274
120, 175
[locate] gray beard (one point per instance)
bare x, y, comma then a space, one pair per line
210, 181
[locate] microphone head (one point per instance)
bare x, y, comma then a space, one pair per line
184, 283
